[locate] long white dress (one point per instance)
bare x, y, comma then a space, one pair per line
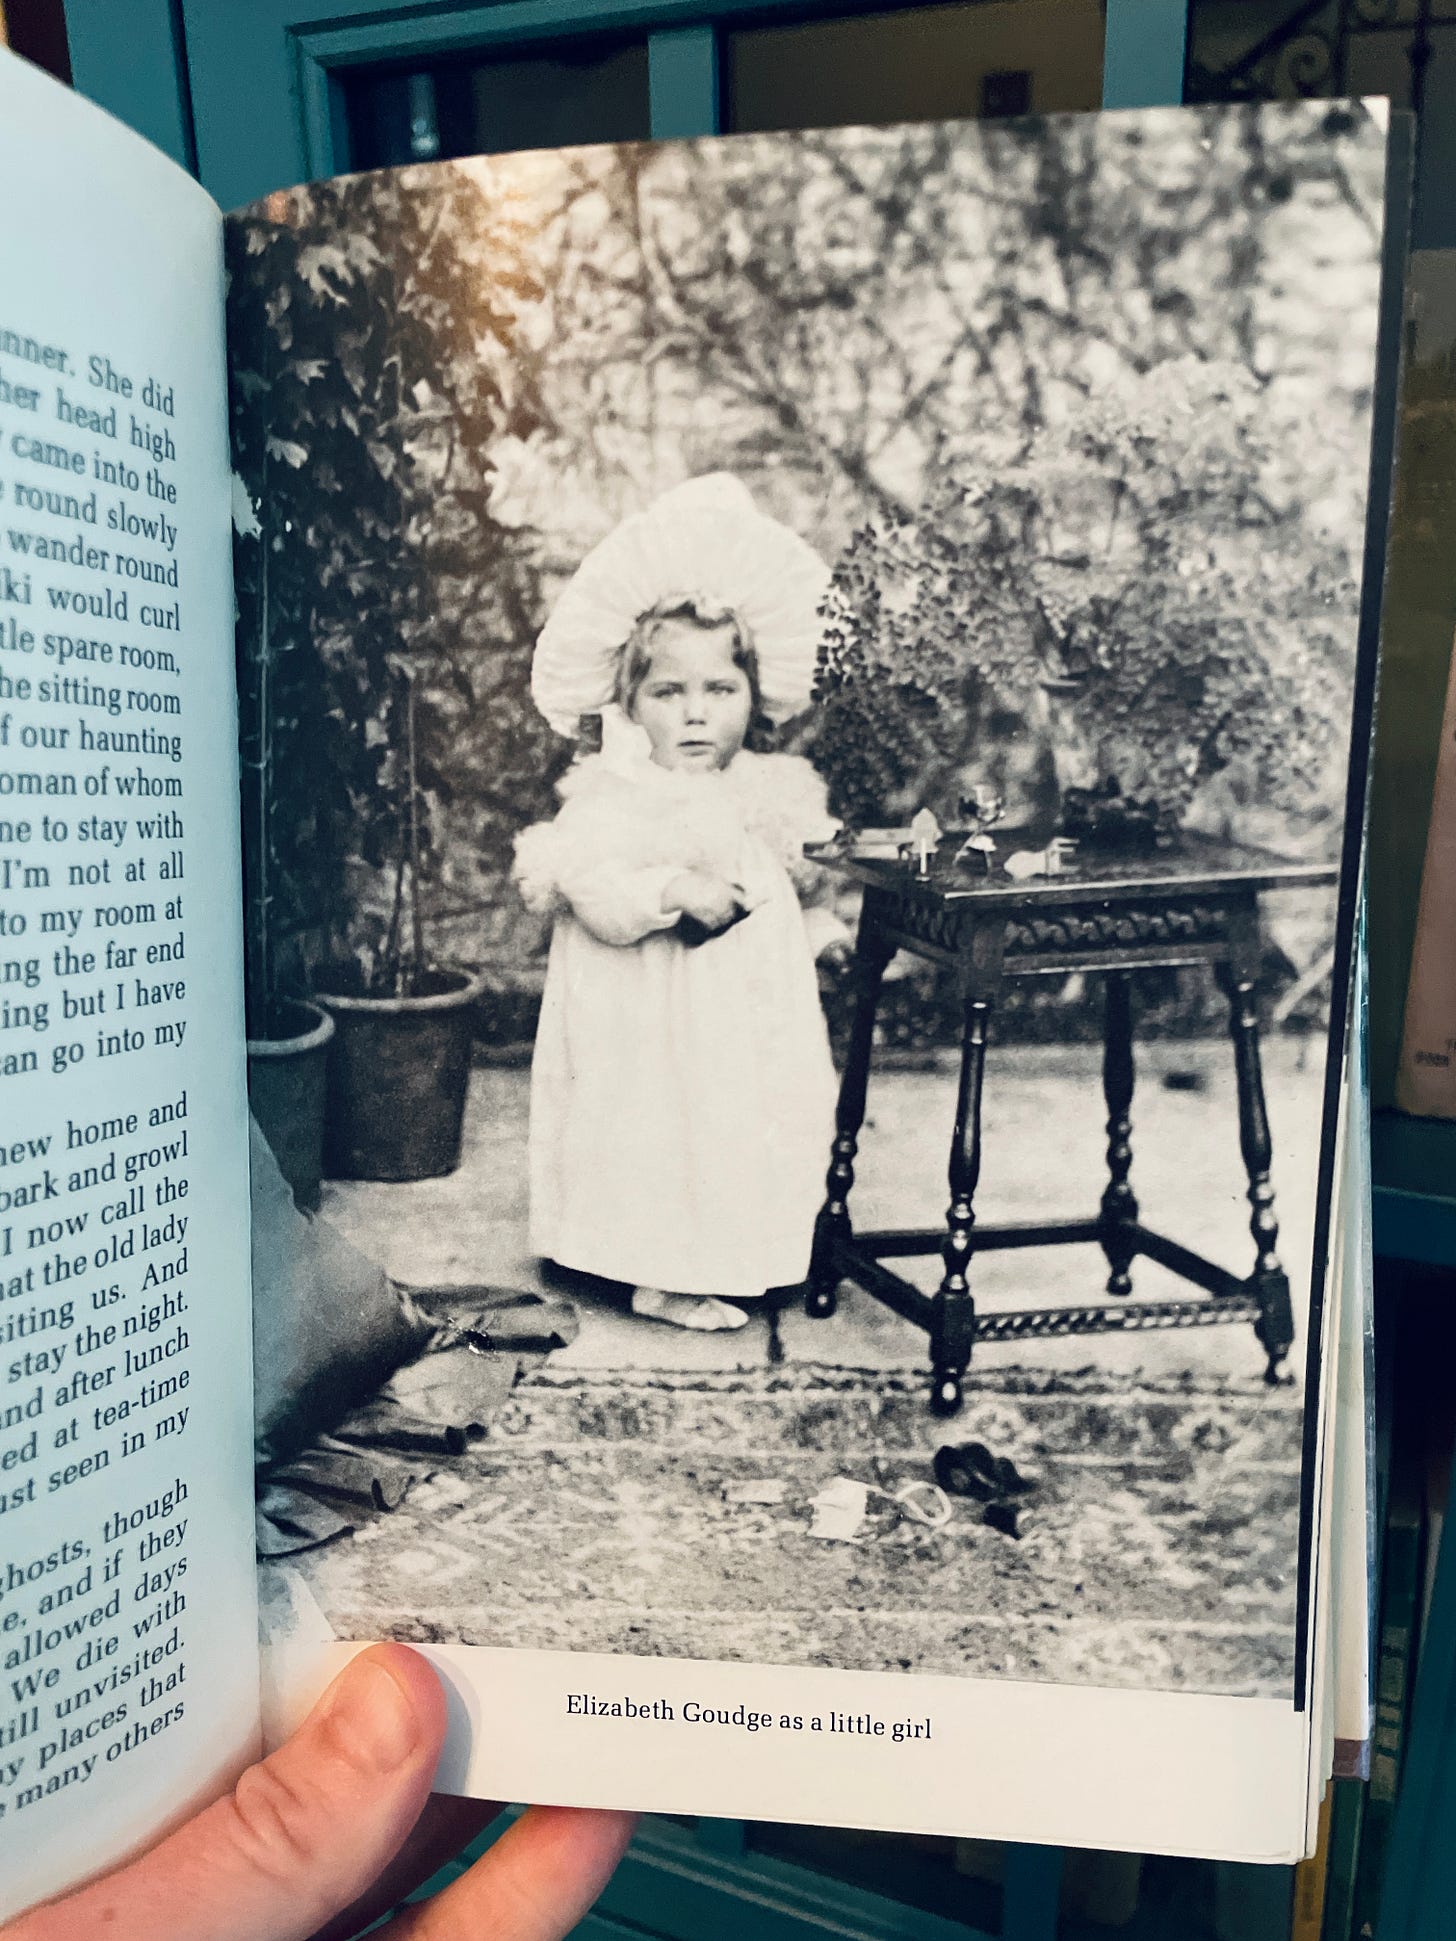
681, 1095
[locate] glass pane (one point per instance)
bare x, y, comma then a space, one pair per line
1103, 1895
916, 64
551, 96
1271, 50
960, 1880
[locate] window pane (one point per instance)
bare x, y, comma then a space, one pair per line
960, 1880
551, 96
1277, 50
916, 64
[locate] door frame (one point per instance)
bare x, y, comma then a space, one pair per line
250, 98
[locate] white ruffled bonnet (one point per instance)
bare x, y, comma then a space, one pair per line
705, 539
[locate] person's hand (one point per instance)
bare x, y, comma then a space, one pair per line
335, 1828
711, 900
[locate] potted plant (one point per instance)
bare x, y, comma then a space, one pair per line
287, 1036
1143, 595
399, 1062
286, 1091
381, 599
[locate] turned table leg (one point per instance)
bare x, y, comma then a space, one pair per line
1119, 1204
832, 1227
953, 1329
1275, 1326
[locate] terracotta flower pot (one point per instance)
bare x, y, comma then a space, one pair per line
286, 1089
398, 1072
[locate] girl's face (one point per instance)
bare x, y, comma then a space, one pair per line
694, 700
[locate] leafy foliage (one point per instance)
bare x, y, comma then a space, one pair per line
1140, 558
1086, 393
373, 581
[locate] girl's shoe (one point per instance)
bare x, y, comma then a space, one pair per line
702, 1313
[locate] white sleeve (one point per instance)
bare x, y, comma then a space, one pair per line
620, 903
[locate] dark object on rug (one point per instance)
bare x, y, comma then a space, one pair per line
971, 1469
1004, 1517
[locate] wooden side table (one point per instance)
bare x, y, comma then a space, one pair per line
1198, 904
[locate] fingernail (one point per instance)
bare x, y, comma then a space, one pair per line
371, 1717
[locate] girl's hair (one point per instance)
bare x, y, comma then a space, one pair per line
636, 658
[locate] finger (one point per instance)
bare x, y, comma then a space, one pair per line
300, 1836
535, 1884
445, 1828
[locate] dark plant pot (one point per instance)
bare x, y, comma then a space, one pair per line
286, 1091
1073, 755
506, 1017
398, 1070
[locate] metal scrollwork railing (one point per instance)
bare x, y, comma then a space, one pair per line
1305, 54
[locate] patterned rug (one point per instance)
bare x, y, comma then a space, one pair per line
617, 1512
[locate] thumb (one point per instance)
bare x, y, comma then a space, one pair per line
302, 1834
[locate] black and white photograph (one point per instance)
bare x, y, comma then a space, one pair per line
797, 699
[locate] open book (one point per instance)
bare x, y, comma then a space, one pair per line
968, 537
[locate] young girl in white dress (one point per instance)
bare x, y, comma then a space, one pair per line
681, 1089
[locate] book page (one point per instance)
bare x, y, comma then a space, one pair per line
805, 701
128, 1686
1354, 1539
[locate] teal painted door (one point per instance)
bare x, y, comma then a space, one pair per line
256, 97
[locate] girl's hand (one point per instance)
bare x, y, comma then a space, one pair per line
710, 899
328, 1833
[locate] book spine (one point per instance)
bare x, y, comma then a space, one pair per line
1309, 1880
1399, 1616
1347, 1812
1426, 1080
